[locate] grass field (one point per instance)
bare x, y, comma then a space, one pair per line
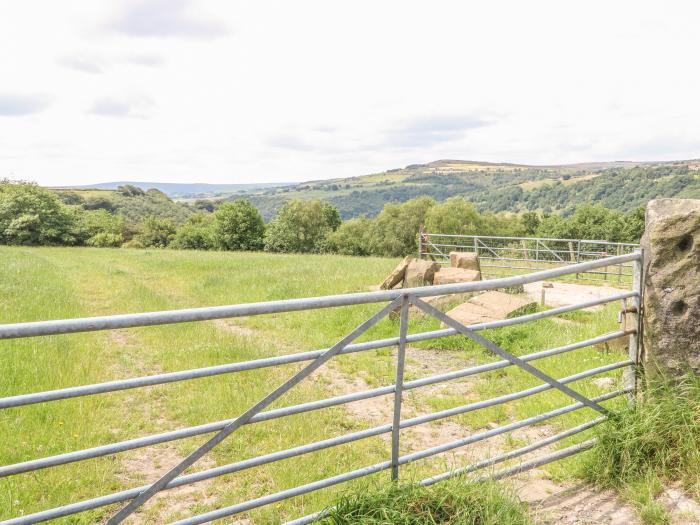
52, 283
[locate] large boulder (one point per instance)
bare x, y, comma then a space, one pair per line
465, 260
671, 245
420, 273
456, 275
397, 275
491, 306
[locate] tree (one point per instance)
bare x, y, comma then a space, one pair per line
238, 225
454, 216
589, 221
32, 215
196, 234
531, 221
395, 230
156, 233
302, 226
352, 237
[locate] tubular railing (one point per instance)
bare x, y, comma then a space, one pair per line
503, 255
135, 497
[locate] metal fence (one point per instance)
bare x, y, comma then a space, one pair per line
401, 299
506, 255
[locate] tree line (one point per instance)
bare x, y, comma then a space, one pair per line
31, 215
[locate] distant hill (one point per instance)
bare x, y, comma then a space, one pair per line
176, 190
495, 186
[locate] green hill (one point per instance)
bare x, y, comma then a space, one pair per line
496, 187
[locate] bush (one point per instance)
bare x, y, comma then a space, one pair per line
97, 228
105, 240
454, 502
352, 237
156, 233
238, 226
302, 227
196, 234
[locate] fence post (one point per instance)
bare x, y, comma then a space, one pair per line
476, 246
631, 378
619, 266
398, 390
420, 242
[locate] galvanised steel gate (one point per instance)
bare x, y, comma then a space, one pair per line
504, 255
134, 498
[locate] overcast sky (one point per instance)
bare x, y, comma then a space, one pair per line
259, 91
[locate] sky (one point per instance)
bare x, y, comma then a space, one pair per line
263, 91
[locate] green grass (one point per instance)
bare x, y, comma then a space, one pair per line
654, 442
54, 283
50, 283
452, 502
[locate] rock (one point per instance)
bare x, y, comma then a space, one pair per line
504, 305
456, 275
397, 275
465, 260
604, 383
420, 273
490, 306
671, 318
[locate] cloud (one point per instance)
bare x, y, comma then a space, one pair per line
427, 131
290, 141
20, 105
98, 65
165, 18
144, 60
127, 107
83, 64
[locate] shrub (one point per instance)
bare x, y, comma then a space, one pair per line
97, 227
156, 233
105, 240
238, 226
196, 234
352, 237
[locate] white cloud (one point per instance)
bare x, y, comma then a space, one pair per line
164, 18
20, 105
222, 91
131, 106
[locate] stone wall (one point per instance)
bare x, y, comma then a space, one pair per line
671, 244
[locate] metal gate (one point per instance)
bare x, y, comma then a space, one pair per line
135, 497
511, 255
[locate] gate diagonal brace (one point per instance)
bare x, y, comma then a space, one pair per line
229, 429
452, 323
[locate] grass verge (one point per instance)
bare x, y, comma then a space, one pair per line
648, 445
454, 502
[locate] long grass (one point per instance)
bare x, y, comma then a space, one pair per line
453, 502
650, 444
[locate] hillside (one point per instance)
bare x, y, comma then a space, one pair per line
491, 187
132, 204
496, 187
